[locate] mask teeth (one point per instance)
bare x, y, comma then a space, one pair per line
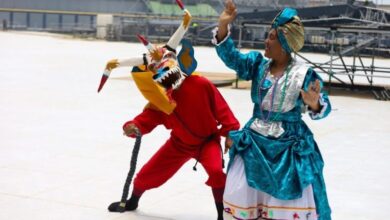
167, 74
178, 82
160, 79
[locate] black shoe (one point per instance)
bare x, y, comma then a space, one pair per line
131, 205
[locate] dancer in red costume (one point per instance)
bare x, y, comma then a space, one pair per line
200, 108
193, 109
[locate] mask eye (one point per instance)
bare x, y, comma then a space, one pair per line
169, 56
152, 67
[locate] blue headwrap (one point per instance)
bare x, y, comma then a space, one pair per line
281, 20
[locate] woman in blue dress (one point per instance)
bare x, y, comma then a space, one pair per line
275, 168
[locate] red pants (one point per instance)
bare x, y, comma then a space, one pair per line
172, 155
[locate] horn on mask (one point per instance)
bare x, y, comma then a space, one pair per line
176, 38
145, 42
180, 3
155, 53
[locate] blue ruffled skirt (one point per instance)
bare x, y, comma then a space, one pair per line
282, 167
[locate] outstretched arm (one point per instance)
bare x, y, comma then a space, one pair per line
115, 63
145, 122
112, 64
245, 65
174, 41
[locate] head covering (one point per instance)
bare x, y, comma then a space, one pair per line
290, 30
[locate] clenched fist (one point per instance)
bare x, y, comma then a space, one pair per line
130, 129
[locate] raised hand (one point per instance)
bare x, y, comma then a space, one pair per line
112, 64
226, 17
312, 96
229, 13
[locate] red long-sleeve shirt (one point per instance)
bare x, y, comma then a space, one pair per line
201, 112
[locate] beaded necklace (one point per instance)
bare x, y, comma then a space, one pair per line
276, 117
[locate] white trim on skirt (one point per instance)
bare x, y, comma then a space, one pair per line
244, 202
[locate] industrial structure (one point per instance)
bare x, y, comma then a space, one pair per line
336, 27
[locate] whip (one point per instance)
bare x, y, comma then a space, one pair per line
133, 164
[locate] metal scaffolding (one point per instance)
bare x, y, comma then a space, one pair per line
340, 72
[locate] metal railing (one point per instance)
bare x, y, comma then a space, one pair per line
365, 45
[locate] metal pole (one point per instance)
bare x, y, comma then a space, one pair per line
372, 63
76, 20
91, 21
28, 19
11, 19
44, 21
376, 95
331, 60
147, 28
354, 59
240, 37
60, 20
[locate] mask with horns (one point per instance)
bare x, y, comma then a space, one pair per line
161, 70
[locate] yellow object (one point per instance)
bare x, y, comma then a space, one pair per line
153, 92
196, 74
186, 59
186, 19
112, 64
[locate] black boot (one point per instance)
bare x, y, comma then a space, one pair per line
131, 204
219, 206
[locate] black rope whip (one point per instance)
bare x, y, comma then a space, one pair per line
133, 164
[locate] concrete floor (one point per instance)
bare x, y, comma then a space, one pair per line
63, 155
